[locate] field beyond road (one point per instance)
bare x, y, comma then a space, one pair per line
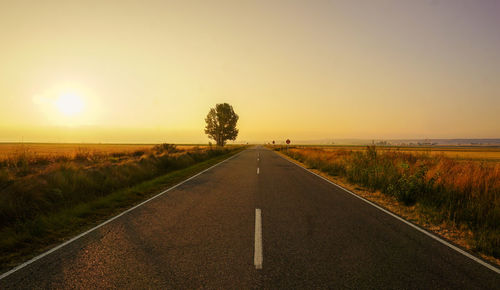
70, 149
476, 153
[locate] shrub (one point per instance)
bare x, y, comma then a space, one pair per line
165, 147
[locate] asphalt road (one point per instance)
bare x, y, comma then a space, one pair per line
204, 234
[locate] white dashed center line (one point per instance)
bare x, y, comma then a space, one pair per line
257, 254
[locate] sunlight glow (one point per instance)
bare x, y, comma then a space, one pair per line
67, 104
70, 104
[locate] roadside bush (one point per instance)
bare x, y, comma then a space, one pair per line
4, 178
166, 147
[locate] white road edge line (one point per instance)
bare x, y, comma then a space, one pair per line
257, 254
19, 267
468, 255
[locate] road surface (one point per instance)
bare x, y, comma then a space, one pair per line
255, 221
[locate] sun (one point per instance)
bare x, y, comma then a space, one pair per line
70, 104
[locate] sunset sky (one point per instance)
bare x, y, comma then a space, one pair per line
148, 71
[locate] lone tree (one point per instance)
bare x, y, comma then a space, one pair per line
221, 124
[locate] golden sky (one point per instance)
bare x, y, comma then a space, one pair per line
148, 71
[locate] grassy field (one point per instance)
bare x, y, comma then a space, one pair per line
9, 150
448, 184
46, 196
454, 152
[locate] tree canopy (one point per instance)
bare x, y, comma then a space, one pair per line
221, 123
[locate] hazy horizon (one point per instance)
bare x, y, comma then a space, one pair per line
126, 72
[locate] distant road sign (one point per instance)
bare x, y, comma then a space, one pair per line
287, 141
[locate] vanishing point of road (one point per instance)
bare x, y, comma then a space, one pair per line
255, 221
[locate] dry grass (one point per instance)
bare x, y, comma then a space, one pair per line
8, 150
24, 159
69, 151
455, 152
